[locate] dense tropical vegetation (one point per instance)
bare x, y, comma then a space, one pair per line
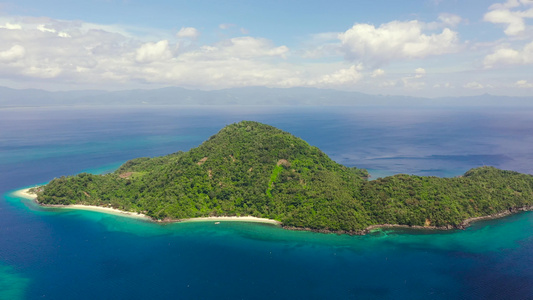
254, 169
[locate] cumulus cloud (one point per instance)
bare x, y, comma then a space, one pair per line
445, 85
151, 52
509, 56
513, 20
11, 26
320, 45
511, 4
43, 71
48, 48
42, 28
450, 19
414, 81
395, 40
84, 53
241, 48
524, 84
228, 26
188, 32
225, 26
347, 76
473, 85
420, 72
377, 73
64, 35
14, 53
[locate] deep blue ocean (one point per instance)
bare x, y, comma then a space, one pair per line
65, 254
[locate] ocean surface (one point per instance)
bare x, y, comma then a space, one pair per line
60, 254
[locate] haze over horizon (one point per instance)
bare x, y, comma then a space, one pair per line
422, 48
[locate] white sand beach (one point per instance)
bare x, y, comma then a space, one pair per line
24, 193
233, 219
107, 210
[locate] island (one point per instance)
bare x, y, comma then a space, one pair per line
253, 169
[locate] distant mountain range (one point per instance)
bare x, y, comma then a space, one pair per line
239, 96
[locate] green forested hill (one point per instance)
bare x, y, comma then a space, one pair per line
251, 168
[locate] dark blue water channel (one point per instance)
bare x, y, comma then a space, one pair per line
68, 254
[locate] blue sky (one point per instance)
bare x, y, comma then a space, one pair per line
421, 48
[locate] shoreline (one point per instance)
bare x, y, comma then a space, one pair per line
24, 193
464, 224
499, 215
250, 219
101, 209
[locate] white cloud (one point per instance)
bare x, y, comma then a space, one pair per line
512, 19
420, 72
225, 26
64, 35
473, 85
188, 32
450, 19
509, 56
14, 53
82, 55
74, 52
42, 28
395, 40
445, 85
524, 84
511, 4
151, 52
11, 26
241, 48
414, 81
377, 73
320, 45
347, 76
40, 71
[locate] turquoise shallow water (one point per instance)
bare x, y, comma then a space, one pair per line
64, 254
12, 284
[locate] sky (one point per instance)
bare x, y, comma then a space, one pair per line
426, 48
